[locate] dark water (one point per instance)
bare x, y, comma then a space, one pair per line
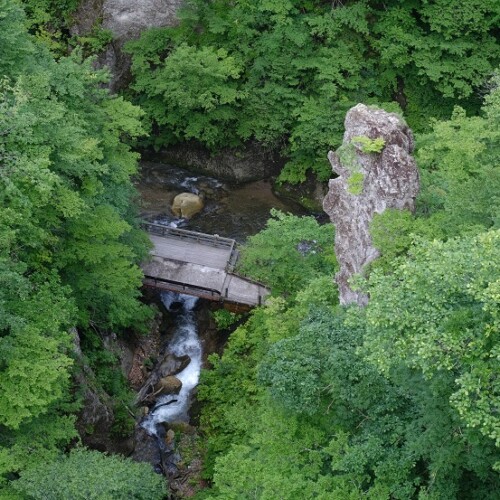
231, 211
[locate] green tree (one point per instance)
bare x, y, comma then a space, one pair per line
49, 21
460, 182
34, 349
302, 64
85, 474
289, 252
14, 45
372, 405
438, 313
193, 94
229, 390
460, 177
69, 176
66, 217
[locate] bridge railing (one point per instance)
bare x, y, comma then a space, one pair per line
184, 234
213, 240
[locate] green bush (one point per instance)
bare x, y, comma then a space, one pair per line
88, 475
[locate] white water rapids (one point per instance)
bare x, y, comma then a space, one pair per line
185, 341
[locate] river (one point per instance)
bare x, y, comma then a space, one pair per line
184, 342
234, 211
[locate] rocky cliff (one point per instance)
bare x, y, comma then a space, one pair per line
249, 162
126, 19
375, 172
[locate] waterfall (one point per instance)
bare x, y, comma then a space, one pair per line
185, 341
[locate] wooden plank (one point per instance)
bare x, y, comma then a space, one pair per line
212, 295
188, 251
185, 272
243, 291
230, 287
199, 265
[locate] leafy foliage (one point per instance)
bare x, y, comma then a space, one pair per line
289, 71
355, 183
68, 177
14, 46
339, 427
229, 390
288, 253
38, 441
225, 319
35, 362
438, 317
369, 145
391, 235
69, 242
85, 474
397, 400
194, 94
460, 177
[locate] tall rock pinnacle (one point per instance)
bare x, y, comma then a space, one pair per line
376, 172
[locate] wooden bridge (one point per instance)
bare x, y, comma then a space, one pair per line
198, 264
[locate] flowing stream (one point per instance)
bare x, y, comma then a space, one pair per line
185, 341
231, 211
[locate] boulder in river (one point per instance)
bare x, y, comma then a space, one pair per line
168, 385
187, 205
375, 172
168, 366
146, 449
172, 364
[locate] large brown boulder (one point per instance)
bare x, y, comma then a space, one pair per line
168, 385
375, 172
187, 205
161, 378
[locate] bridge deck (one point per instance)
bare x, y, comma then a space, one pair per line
170, 247
200, 265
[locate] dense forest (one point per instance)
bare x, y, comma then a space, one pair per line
396, 400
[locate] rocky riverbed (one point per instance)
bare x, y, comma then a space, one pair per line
234, 211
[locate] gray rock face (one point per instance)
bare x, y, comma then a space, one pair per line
127, 19
168, 385
95, 419
146, 449
246, 163
172, 364
368, 183
162, 379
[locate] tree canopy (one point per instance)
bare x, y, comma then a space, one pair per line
285, 73
398, 400
70, 242
85, 475
395, 400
